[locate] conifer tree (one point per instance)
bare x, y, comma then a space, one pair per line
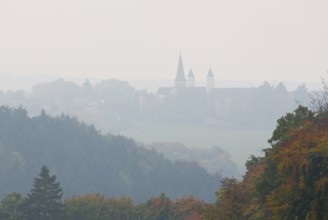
45, 200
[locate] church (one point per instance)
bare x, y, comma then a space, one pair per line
181, 82
196, 102
184, 101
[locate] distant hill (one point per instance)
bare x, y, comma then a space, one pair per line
86, 161
214, 160
214, 118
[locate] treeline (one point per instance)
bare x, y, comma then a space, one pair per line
44, 202
289, 182
89, 162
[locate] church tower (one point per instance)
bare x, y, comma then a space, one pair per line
210, 83
180, 79
191, 79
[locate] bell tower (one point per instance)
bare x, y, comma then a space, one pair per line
191, 79
210, 83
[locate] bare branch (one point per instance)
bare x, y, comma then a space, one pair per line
319, 100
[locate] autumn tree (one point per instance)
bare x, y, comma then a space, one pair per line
97, 207
187, 207
302, 161
45, 200
12, 207
289, 182
158, 208
289, 121
294, 182
87, 207
231, 199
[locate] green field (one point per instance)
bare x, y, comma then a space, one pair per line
240, 143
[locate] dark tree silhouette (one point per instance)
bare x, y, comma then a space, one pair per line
45, 200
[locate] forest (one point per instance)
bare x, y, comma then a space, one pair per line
289, 182
111, 177
87, 161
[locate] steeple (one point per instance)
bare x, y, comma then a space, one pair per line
191, 79
210, 83
180, 79
210, 73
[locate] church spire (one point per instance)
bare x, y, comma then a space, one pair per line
180, 79
210, 83
191, 79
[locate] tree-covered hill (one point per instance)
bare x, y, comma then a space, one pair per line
290, 181
86, 161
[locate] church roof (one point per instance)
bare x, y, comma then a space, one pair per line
231, 92
180, 71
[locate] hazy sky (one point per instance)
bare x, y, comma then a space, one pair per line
142, 39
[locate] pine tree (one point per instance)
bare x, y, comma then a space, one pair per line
45, 200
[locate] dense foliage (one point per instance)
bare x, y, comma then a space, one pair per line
45, 203
289, 182
89, 162
98, 207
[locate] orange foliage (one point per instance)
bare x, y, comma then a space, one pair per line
302, 160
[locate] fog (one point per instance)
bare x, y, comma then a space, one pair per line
244, 43
156, 109
136, 40
237, 119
